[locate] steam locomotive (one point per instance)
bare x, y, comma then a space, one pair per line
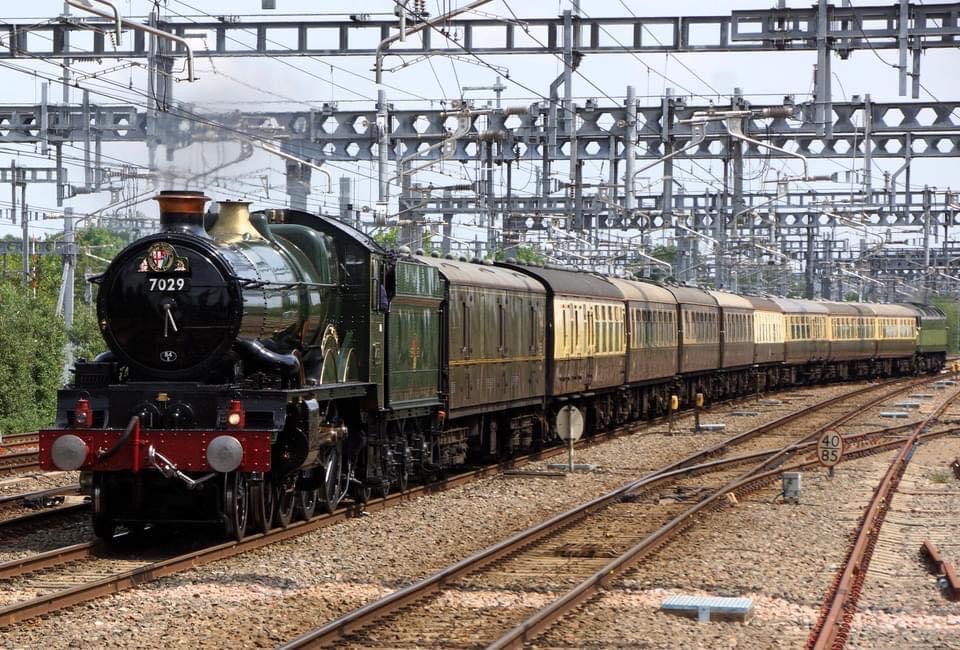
263, 366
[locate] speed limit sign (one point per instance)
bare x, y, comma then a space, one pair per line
830, 448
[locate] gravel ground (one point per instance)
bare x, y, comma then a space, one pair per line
35, 481
784, 557
271, 595
901, 602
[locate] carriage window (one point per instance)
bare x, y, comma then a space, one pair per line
576, 327
532, 342
500, 326
564, 319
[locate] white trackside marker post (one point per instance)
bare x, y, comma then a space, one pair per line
569, 428
830, 449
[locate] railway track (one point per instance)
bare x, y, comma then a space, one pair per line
16, 442
126, 575
19, 463
37, 509
511, 580
833, 624
18, 453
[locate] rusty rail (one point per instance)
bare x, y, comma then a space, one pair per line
940, 566
535, 624
833, 624
344, 625
83, 593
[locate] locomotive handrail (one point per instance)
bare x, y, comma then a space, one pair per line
255, 284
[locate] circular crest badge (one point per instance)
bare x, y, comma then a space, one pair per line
161, 257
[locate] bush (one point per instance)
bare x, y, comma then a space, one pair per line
31, 359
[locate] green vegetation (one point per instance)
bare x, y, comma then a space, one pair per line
950, 307
940, 476
389, 239
665, 253
32, 337
522, 254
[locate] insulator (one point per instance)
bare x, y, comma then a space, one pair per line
777, 111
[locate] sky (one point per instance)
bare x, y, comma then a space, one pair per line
300, 83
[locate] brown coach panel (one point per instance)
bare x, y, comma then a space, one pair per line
585, 338
851, 331
736, 333
652, 346
493, 336
699, 329
896, 331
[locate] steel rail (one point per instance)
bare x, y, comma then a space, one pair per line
722, 447
37, 517
59, 600
752, 480
344, 625
83, 593
15, 440
57, 491
833, 624
48, 559
18, 466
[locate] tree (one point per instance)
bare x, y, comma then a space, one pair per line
31, 358
33, 339
522, 254
95, 246
388, 238
667, 254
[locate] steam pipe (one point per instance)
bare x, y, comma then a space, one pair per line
121, 22
378, 65
255, 353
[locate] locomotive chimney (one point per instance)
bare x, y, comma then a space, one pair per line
233, 223
182, 210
